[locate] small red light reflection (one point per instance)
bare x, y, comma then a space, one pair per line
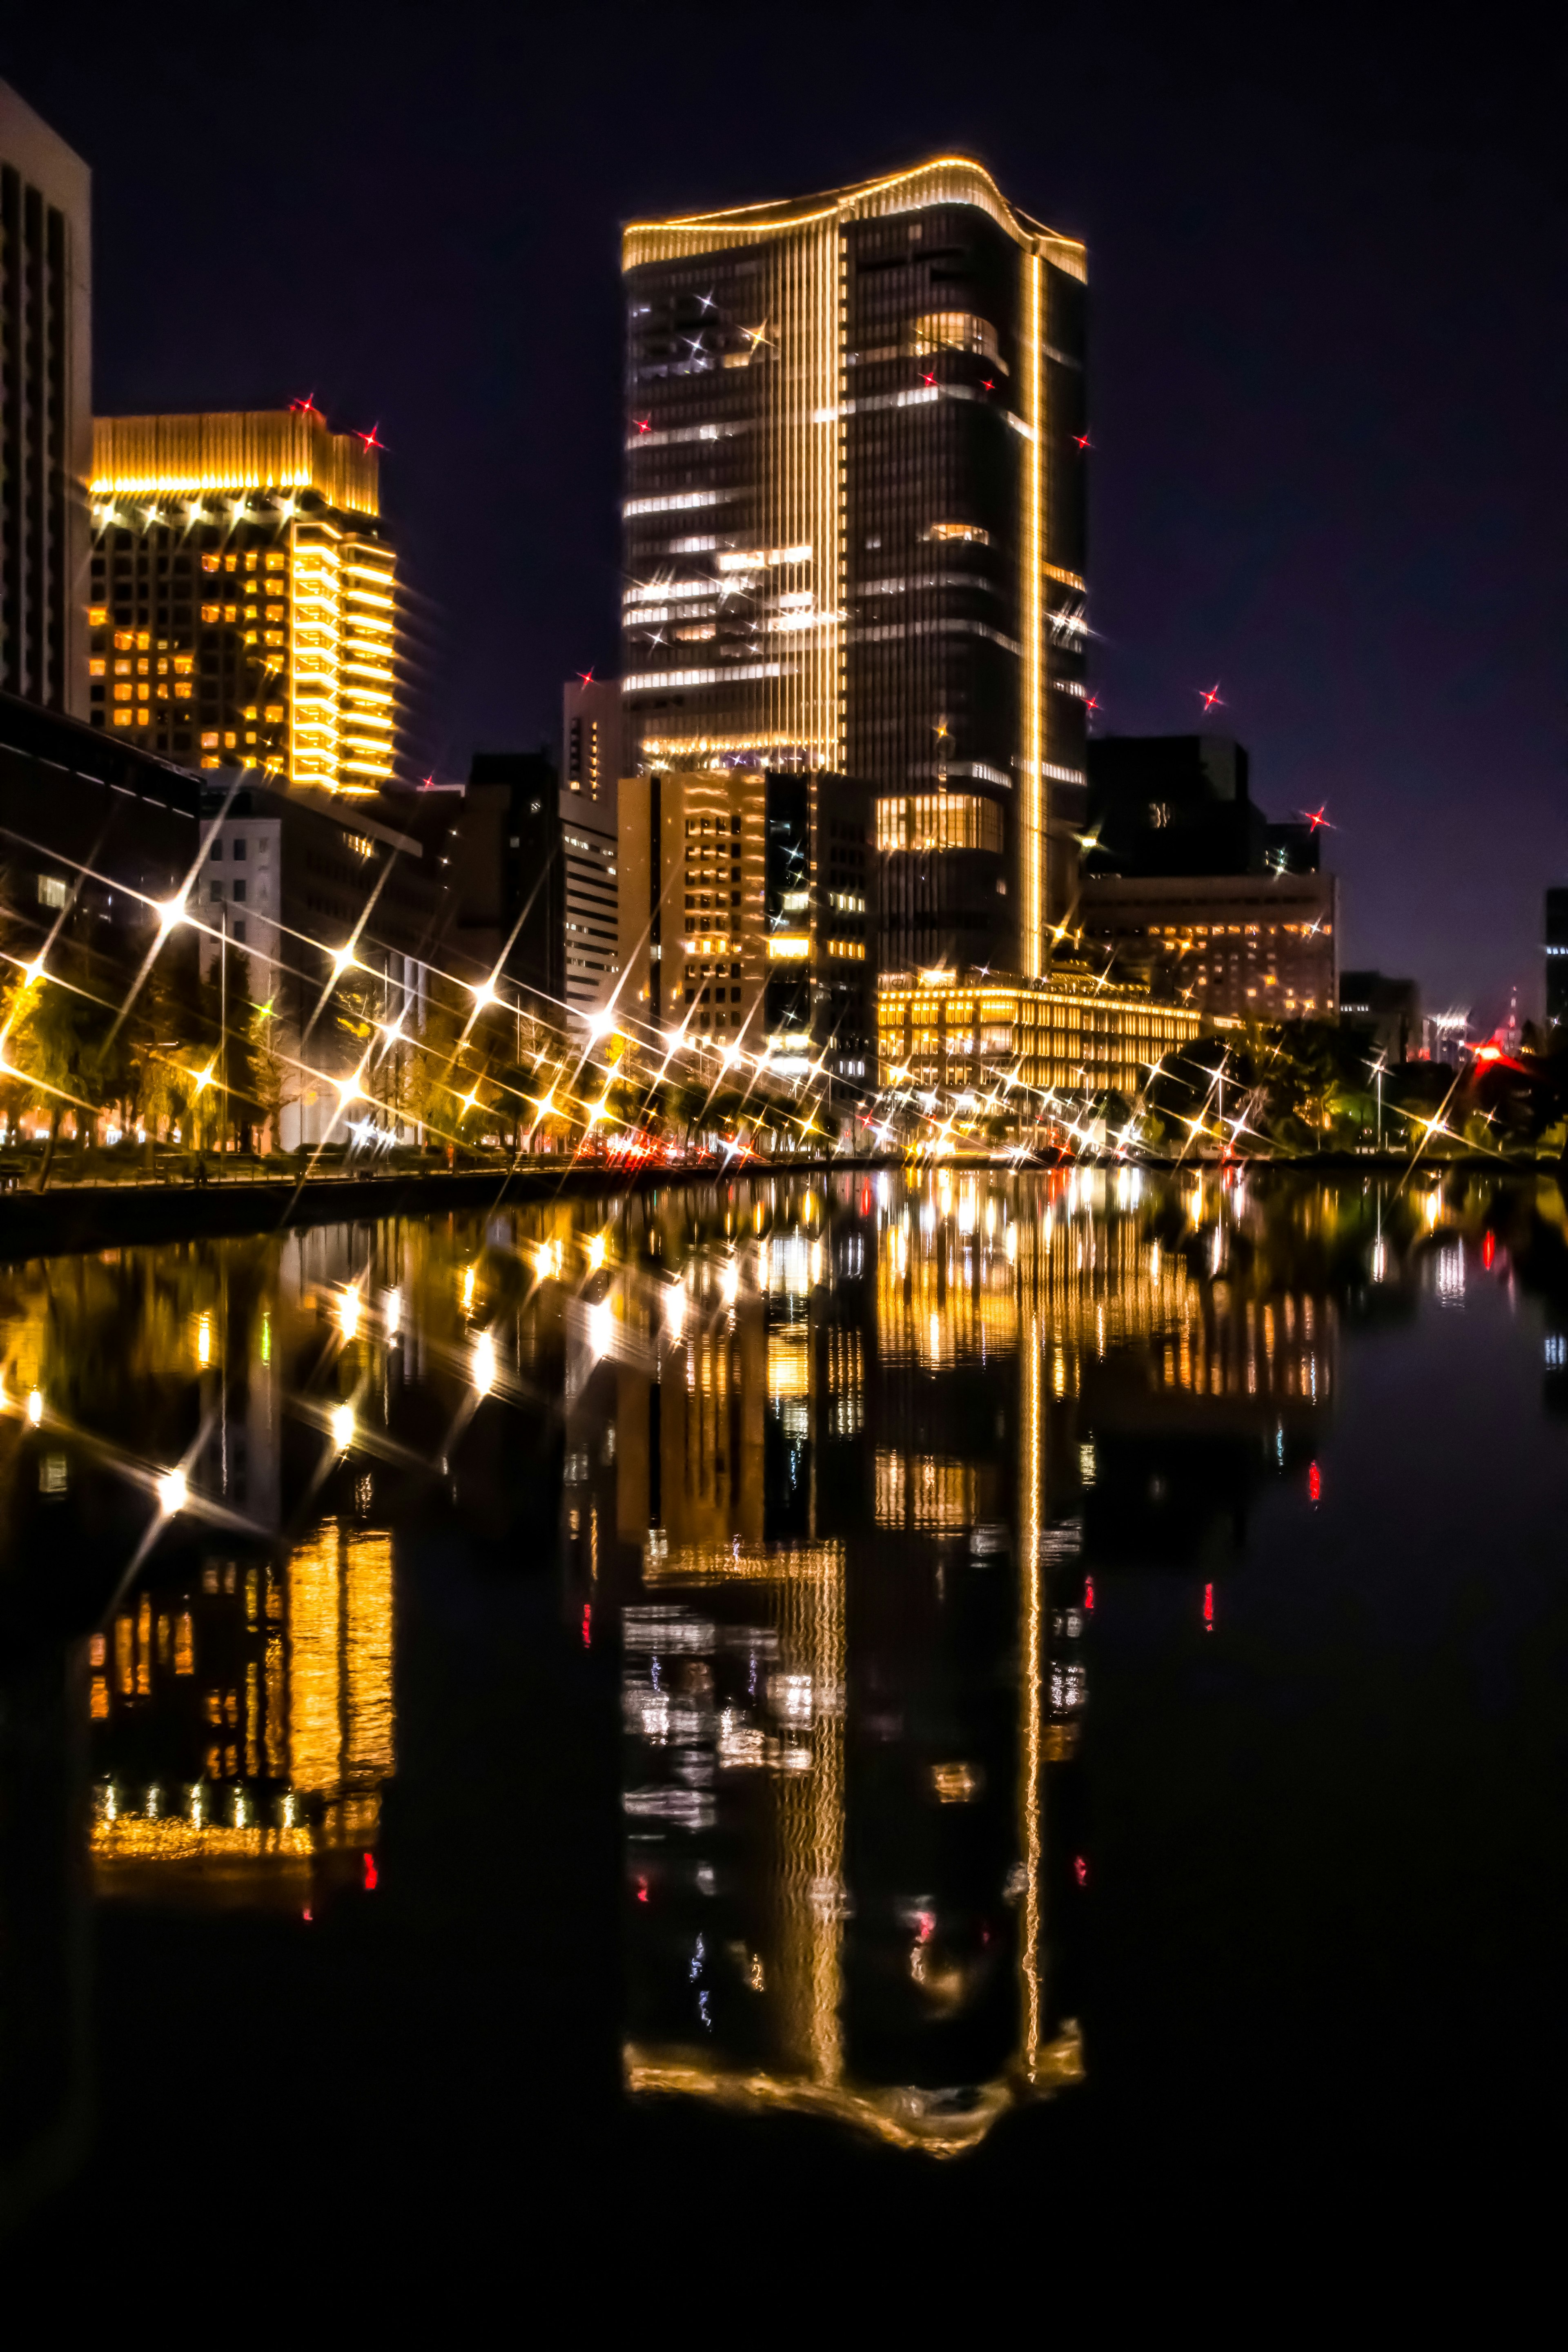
1089, 1596
1315, 1483
1488, 1252
1208, 1608
372, 1875
1080, 1870
587, 1624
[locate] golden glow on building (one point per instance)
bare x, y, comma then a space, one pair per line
256, 450
792, 704
967, 1033
243, 598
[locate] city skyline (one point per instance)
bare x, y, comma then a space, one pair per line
1345, 539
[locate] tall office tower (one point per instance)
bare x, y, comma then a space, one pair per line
46, 409
853, 530
591, 756
243, 602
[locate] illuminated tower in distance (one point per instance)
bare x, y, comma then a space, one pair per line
46, 409
244, 601
853, 531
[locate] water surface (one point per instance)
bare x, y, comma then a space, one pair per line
966, 1694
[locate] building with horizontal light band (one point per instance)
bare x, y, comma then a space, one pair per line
745, 913
853, 529
243, 599
1264, 946
46, 409
969, 1032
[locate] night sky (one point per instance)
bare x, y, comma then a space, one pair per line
1327, 359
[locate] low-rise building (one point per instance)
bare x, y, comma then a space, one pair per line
970, 1033
1261, 947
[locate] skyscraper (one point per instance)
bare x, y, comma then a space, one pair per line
591, 756
244, 601
853, 534
46, 409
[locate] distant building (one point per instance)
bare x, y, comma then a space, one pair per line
592, 759
1193, 890
853, 528
745, 913
289, 877
1556, 958
1262, 947
511, 878
46, 410
972, 1033
1388, 1011
244, 599
1165, 804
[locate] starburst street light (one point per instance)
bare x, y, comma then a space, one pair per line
342, 1427
172, 1493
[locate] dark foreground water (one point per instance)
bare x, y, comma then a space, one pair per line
781, 1719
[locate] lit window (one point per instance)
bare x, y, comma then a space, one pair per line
96, 668
123, 718
51, 890
212, 564
212, 613
209, 742
274, 712
122, 694
143, 639
183, 689
123, 641
97, 614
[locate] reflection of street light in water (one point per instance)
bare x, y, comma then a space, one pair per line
601, 1327
484, 1363
342, 1427
172, 1493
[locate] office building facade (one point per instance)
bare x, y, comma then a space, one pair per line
46, 409
980, 1037
853, 530
243, 599
744, 913
1387, 1012
1263, 946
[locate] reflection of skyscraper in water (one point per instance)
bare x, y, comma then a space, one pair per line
243, 1723
830, 1891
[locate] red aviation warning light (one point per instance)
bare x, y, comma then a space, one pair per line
1210, 696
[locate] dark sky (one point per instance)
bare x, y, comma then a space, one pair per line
1327, 389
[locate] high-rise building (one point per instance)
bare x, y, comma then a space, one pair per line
853, 530
243, 598
592, 760
744, 913
46, 409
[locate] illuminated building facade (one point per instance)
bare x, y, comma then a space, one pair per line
970, 1033
745, 911
1259, 947
46, 409
854, 531
243, 600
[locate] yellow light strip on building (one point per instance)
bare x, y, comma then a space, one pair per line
1031, 796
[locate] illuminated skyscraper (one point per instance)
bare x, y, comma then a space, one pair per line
243, 602
46, 408
854, 528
